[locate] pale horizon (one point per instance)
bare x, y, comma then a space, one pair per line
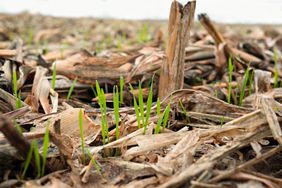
226, 11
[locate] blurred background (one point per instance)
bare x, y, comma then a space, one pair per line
225, 11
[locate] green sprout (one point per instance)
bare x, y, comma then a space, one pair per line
103, 109
230, 72
141, 103
45, 150
148, 107
16, 93
158, 106
163, 118
143, 34
27, 161
251, 80
116, 110
37, 157
184, 110
243, 88
80, 121
121, 86
71, 89
94, 163
276, 76
135, 107
54, 75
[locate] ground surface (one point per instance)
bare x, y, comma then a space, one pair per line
221, 130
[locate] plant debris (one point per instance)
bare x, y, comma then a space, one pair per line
111, 103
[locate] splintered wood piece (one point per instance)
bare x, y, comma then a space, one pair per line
180, 23
219, 39
7, 53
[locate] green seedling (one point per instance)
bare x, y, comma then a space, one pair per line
96, 166
116, 110
16, 93
184, 110
276, 76
141, 104
37, 158
121, 86
71, 89
148, 107
81, 131
222, 120
143, 34
135, 107
163, 118
103, 109
243, 88
251, 80
158, 107
230, 72
93, 90
27, 161
166, 115
54, 75
45, 150
29, 37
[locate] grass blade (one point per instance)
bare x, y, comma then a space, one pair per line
166, 115
121, 86
276, 76
27, 161
37, 157
141, 104
54, 75
230, 72
45, 150
71, 89
148, 107
243, 88
135, 107
96, 166
116, 110
158, 107
81, 131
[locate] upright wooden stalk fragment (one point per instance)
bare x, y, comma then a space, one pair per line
180, 23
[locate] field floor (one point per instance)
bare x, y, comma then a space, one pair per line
80, 104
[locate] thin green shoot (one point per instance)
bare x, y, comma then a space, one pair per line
16, 93
71, 89
185, 112
230, 72
158, 127
81, 131
141, 104
96, 166
116, 110
135, 107
29, 37
276, 76
243, 88
251, 80
148, 107
27, 161
121, 86
143, 34
222, 120
158, 106
54, 75
45, 150
166, 115
103, 109
37, 157
93, 90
